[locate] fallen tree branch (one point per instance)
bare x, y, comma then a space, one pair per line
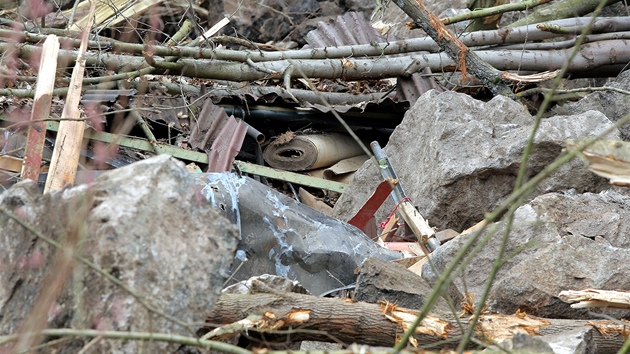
141, 336
561, 9
220, 346
465, 59
481, 38
370, 324
591, 56
495, 10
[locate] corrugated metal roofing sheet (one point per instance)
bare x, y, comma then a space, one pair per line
223, 133
349, 29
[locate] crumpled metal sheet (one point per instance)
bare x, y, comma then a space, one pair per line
284, 237
349, 29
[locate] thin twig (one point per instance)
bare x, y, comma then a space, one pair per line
547, 91
144, 336
517, 6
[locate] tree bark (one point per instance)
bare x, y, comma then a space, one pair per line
591, 56
464, 58
561, 9
349, 322
497, 37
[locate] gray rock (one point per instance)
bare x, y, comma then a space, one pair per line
579, 341
391, 282
522, 341
614, 105
308, 345
146, 224
558, 242
458, 157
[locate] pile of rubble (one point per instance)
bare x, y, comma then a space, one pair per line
175, 239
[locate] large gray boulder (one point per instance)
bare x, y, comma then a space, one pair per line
613, 104
458, 157
146, 224
559, 241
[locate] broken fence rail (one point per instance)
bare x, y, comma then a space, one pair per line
202, 157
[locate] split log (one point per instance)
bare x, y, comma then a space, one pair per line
308, 317
41, 109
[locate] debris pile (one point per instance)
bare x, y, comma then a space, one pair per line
482, 222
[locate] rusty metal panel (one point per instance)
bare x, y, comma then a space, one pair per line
411, 88
220, 135
226, 145
208, 127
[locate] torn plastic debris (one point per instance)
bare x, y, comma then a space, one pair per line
284, 237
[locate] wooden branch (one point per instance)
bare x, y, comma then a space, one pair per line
497, 37
592, 56
372, 324
219, 347
464, 58
495, 10
560, 9
345, 321
596, 298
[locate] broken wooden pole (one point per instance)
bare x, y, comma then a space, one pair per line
65, 157
41, 109
420, 227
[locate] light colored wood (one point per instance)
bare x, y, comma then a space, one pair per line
310, 200
10, 163
379, 325
65, 158
41, 109
596, 298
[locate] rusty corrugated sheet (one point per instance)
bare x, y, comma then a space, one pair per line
208, 126
219, 135
226, 146
411, 88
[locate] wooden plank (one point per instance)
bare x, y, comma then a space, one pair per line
10, 163
290, 177
41, 109
65, 158
367, 211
